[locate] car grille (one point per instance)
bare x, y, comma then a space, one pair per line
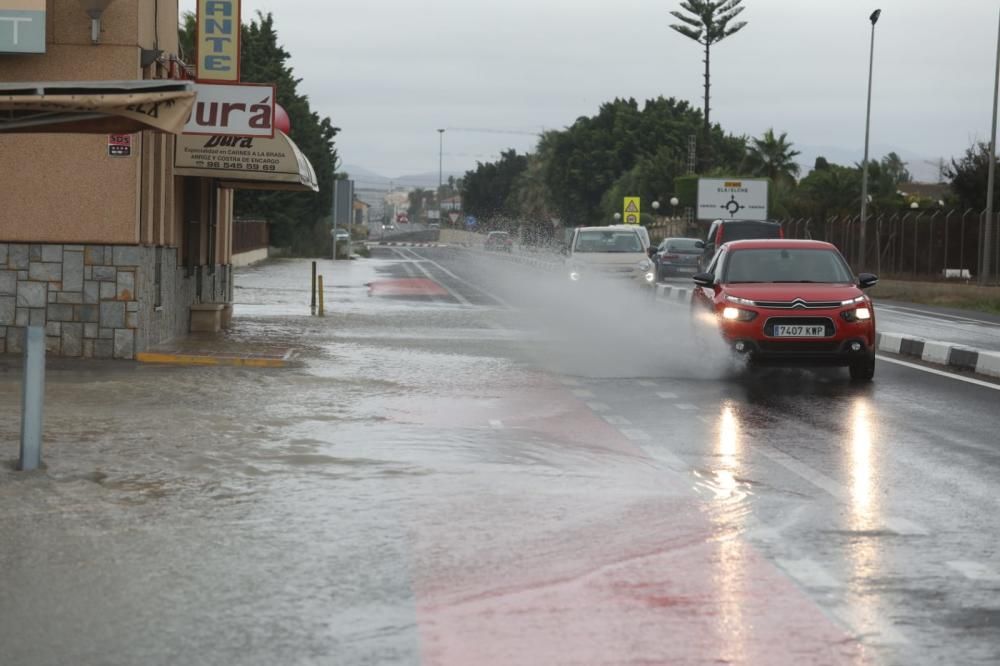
796, 346
798, 304
826, 322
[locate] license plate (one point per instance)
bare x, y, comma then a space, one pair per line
787, 331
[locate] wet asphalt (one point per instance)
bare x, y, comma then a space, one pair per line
501, 471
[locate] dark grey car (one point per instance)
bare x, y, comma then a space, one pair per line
677, 257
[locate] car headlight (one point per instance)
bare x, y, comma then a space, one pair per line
650, 277
853, 301
858, 314
739, 301
645, 265
738, 314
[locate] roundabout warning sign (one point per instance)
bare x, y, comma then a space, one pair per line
632, 210
732, 199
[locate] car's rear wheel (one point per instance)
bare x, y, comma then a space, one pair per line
863, 371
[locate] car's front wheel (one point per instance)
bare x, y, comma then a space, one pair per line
864, 370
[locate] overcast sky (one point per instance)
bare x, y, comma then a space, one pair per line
390, 72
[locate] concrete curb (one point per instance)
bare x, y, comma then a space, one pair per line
669, 292
955, 357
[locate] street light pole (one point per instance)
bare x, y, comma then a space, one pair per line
984, 273
440, 169
862, 241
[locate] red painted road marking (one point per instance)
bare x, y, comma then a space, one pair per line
628, 566
406, 287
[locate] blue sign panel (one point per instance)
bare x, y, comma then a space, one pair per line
22, 31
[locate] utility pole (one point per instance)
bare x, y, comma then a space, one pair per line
862, 240
984, 272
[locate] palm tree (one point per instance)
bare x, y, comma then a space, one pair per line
708, 24
772, 157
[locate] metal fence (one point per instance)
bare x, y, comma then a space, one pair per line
912, 244
250, 235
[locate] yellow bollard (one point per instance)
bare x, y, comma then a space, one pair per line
320, 279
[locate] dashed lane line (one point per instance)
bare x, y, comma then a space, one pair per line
598, 406
496, 424
617, 420
667, 396
634, 434
687, 407
583, 393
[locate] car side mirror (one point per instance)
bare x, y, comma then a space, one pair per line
700, 245
704, 279
867, 280
651, 252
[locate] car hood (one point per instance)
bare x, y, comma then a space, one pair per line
789, 292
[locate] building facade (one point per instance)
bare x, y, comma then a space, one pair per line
100, 241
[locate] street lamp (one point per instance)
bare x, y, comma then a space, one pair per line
618, 218
914, 205
984, 273
440, 169
674, 202
868, 116
95, 9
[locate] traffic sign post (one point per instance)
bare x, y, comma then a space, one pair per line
633, 210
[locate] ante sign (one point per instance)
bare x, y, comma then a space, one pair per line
218, 41
233, 110
22, 26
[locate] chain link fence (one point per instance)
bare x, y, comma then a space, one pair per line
915, 244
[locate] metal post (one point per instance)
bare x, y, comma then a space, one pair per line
440, 170
868, 116
984, 273
961, 246
930, 244
33, 399
947, 234
312, 303
916, 239
322, 310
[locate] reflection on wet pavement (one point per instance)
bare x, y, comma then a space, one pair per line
457, 481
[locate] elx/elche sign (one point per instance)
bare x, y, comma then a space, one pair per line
219, 41
232, 110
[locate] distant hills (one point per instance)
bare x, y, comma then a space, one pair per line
367, 179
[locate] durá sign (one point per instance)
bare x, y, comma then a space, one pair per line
219, 41
233, 110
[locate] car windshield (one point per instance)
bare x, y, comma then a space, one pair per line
786, 265
682, 246
608, 241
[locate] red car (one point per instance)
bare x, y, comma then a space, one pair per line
789, 302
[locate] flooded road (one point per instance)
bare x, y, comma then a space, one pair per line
471, 463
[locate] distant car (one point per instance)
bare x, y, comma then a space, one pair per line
789, 302
342, 236
609, 252
388, 227
433, 225
723, 231
677, 256
499, 241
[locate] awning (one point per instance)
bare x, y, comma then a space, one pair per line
96, 107
246, 163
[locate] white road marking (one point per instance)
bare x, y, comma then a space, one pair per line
686, 407
942, 373
583, 393
808, 573
454, 294
566, 381
496, 424
974, 571
635, 435
598, 406
869, 629
667, 396
465, 282
904, 527
617, 420
646, 383
706, 419
935, 316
